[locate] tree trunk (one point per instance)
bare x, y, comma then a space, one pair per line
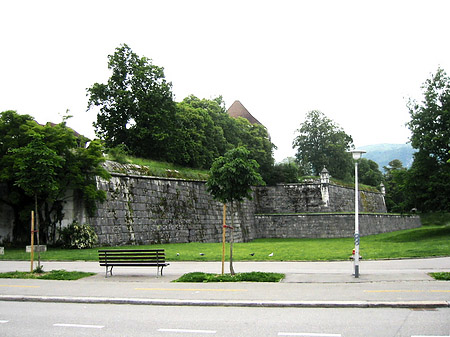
232, 239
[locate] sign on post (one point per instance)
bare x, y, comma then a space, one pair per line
36, 248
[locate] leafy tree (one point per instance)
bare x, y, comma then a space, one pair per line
36, 172
40, 163
198, 139
322, 143
230, 181
369, 173
15, 131
256, 139
136, 107
206, 131
428, 184
430, 120
287, 171
429, 176
395, 180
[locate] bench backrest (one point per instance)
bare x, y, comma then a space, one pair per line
124, 256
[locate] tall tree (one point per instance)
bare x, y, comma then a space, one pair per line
395, 181
199, 140
430, 119
429, 176
230, 181
322, 143
136, 106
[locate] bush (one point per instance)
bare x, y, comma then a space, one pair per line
79, 236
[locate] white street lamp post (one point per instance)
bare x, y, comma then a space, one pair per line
356, 156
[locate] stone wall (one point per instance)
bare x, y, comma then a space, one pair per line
315, 197
329, 225
143, 210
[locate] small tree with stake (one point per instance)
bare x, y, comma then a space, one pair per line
36, 170
230, 181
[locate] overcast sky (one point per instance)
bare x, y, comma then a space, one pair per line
356, 61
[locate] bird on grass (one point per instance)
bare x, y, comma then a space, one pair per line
271, 254
252, 254
201, 254
178, 254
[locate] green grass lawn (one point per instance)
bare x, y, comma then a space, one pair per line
426, 241
443, 276
51, 275
239, 277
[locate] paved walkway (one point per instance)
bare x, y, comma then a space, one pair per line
387, 283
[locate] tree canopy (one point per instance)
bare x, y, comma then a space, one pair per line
369, 173
135, 106
136, 111
233, 175
43, 162
428, 181
430, 119
322, 143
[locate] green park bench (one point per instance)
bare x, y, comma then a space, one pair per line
110, 258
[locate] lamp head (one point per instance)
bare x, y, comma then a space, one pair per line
356, 154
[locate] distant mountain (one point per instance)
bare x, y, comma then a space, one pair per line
382, 154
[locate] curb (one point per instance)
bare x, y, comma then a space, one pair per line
225, 303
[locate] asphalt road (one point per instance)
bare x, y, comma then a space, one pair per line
50, 319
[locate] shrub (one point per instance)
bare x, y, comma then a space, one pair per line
79, 236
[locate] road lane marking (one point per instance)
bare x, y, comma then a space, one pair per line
87, 326
189, 289
17, 286
3, 321
305, 334
188, 331
406, 291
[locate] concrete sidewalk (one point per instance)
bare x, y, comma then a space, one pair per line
390, 283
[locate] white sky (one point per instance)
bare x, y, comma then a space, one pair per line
356, 61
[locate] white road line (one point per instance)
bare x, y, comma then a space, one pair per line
3, 321
87, 326
187, 331
304, 334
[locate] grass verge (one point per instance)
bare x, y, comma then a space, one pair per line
426, 241
443, 276
255, 276
163, 169
51, 275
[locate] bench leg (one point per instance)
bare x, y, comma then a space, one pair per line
108, 271
158, 273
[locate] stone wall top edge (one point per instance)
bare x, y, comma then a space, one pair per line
339, 214
137, 176
318, 184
